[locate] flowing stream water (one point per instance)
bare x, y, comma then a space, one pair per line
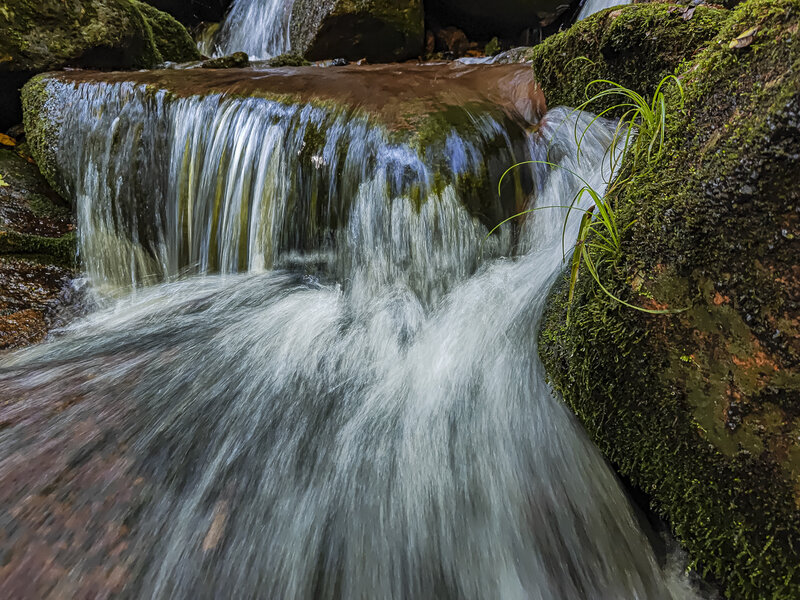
258, 27
281, 399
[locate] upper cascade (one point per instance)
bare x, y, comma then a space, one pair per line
258, 27
172, 177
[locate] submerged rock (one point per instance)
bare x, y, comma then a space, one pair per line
37, 252
701, 409
378, 30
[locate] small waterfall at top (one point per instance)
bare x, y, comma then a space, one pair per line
325, 386
258, 27
592, 6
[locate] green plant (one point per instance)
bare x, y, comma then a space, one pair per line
640, 135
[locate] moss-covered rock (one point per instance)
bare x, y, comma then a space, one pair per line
40, 35
171, 38
37, 36
237, 60
378, 30
635, 46
701, 409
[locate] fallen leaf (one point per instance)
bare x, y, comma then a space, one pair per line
7, 141
689, 13
744, 39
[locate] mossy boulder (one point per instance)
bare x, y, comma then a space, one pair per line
635, 46
44, 35
378, 30
701, 409
501, 17
172, 40
41, 35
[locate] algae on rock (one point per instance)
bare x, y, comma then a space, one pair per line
702, 409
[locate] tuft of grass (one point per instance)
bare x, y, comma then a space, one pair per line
640, 135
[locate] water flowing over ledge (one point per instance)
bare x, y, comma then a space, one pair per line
169, 182
377, 426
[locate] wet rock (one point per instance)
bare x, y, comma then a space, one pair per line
701, 409
237, 60
377, 30
288, 60
37, 253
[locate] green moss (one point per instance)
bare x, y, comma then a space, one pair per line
701, 410
289, 60
41, 127
237, 60
61, 251
171, 38
635, 46
48, 34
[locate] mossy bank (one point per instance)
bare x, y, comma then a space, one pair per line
701, 409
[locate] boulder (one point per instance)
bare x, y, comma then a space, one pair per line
172, 40
378, 30
502, 17
700, 408
100, 34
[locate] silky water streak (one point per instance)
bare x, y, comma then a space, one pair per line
379, 429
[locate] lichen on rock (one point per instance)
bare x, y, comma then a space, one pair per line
701, 409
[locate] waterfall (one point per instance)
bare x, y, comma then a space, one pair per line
592, 6
353, 412
258, 27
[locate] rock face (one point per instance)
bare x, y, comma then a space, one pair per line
104, 34
37, 250
508, 17
378, 30
701, 409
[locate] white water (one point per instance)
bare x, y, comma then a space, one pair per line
593, 6
258, 27
382, 429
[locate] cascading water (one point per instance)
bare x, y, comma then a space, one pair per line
258, 27
372, 425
